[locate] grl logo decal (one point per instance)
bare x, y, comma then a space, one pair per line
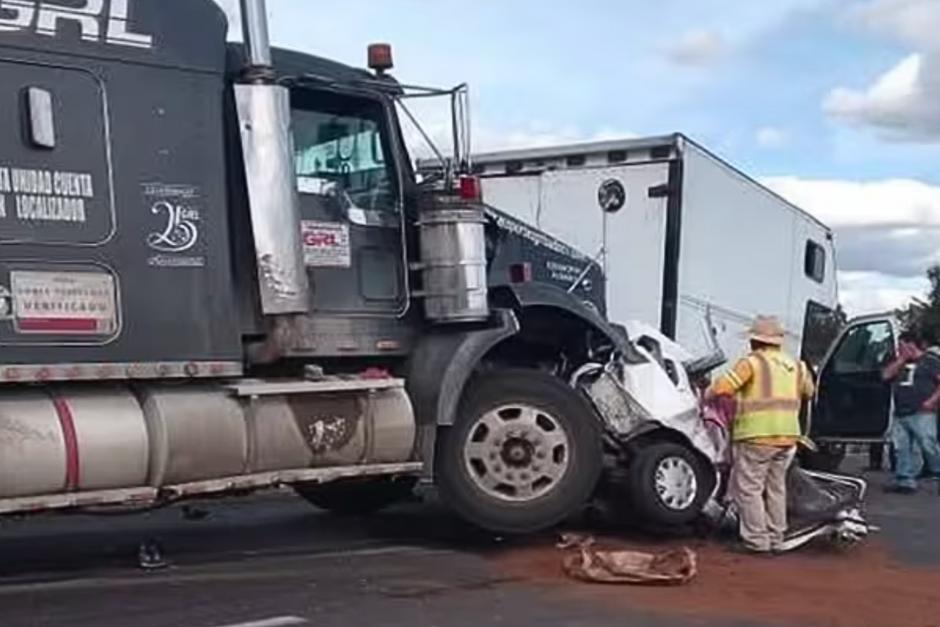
49, 18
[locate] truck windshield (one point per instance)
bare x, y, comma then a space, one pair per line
340, 143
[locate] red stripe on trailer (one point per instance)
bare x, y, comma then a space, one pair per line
67, 421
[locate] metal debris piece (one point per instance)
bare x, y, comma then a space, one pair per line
587, 563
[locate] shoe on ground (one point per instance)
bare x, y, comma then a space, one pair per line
899, 489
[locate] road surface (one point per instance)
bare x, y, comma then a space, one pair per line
273, 560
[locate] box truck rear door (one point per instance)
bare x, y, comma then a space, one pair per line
852, 400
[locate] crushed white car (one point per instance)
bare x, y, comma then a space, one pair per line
670, 465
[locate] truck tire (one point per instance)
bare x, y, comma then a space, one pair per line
669, 484
524, 452
357, 497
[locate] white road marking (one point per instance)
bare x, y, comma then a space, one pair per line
277, 621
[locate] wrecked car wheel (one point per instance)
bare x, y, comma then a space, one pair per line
669, 484
357, 497
525, 452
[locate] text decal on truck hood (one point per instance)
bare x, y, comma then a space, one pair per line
95, 24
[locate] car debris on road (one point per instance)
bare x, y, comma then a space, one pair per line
585, 562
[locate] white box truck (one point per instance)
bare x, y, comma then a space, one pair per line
679, 232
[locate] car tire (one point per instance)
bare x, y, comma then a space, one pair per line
358, 497
669, 484
524, 452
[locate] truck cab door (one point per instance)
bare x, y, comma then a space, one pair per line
351, 203
853, 403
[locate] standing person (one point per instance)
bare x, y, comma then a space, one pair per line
915, 376
876, 456
770, 386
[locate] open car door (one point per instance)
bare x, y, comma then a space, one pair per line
853, 403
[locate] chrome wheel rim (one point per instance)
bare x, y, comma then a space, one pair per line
516, 452
675, 483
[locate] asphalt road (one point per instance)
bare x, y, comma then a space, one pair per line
273, 560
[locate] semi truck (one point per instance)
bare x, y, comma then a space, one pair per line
679, 233
219, 273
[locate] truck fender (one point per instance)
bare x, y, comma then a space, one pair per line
443, 361
529, 295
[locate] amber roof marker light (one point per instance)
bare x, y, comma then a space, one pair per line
380, 58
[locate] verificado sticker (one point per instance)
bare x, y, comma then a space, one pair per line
64, 303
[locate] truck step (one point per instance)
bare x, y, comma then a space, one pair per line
264, 387
148, 496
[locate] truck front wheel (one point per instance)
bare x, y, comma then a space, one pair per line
524, 453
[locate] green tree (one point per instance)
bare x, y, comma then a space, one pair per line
923, 314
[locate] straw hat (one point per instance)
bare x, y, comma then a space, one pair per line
768, 330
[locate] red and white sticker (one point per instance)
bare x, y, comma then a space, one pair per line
326, 244
64, 303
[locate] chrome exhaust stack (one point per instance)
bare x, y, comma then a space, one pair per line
267, 147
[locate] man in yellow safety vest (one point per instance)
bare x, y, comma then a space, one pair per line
770, 386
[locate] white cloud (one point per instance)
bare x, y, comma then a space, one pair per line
871, 292
887, 235
771, 137
487, 140
434, 117
902, 101
884, 203
915, 22
697, 48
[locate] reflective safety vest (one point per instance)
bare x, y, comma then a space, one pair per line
769, 404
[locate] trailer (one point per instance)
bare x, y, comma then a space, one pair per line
679, 233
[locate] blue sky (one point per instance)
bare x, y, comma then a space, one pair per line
830, 101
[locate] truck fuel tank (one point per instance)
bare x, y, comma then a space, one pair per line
82, 439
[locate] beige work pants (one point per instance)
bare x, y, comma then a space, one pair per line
759, 490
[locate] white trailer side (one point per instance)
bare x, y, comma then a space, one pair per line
745, 250
693, 234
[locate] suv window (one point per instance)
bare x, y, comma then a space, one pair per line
340, 144
864, 348
820, 329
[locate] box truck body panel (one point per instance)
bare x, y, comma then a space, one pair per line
743, 252
622, 241
692, 235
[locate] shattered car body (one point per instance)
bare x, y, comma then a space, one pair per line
637, 398
657, 401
